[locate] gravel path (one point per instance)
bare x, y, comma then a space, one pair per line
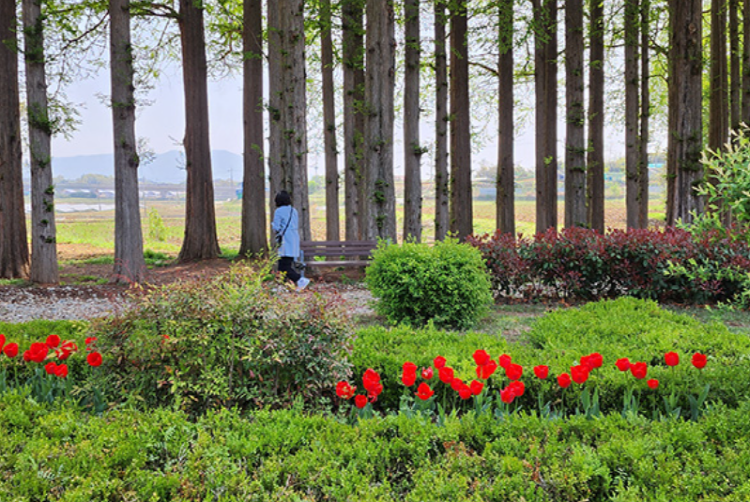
88, 302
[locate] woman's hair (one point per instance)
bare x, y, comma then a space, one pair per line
283, 199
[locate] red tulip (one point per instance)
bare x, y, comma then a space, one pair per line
653, 383
639, 370
504, 361
514, 371
371, 381
11, 350
541, 371
518, 388
445, 374
481, 357
62, 371
564, 380
507, 395
623, 364
456, 384
596, 359
360, 401
38, 352
409, 375
427, 373
52, 341
95, 359
486, 371
343, 389
50, 367
66, 348
587, 363
2, 340
439, 362
424, 392
672, 358
27, 356
699, 360
90, 339
464, 392
476, 387
580, 373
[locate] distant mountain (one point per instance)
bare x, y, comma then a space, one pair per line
167, 167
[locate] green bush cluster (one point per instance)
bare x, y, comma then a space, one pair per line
242, 339
59, 454
446, 283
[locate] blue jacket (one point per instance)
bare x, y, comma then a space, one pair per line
290, 242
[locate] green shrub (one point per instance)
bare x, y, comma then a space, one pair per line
415, 283
240, 339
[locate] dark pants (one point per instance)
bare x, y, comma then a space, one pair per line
285, 265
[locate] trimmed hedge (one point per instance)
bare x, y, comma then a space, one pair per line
582, 264
58, 454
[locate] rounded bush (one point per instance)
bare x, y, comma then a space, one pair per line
447, 283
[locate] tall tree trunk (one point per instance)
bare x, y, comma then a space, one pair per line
718, 124
461, 219
684, 169
632, 158
293, 111
354, 86
442, 189
745, 105
545, 77
130, 265
14, 251
575, 149
505, 216
595, 157
329, 118
200, 240
645, 114
734, 60
412, 147
275, 103
43, 235
254, 239
380, 206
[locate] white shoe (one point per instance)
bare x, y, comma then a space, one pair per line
302, 283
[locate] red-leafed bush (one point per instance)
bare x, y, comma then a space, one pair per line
577, 263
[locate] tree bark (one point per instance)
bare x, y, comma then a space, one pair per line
254, 240
354, 86
645, 114
745, 105
412, 148
595, 157
718, 124
461, 219
14, 251
275, 89
43, 234
200, 240
575, 149
632, 158
734, 60
684, 169
329, 118
130, 265
380, 206
442, 190
545, 76
505, 216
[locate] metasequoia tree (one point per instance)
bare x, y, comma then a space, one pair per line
380, 205
575, 144
200, 241
595, 156
412, 149
14, 251
718, 123
44, 267
632, 22
545, 77
254, 238
745, 95
684, 169
442, 190
354, 125
734, 63
645, 115
288, 106
130, 265
505, 215
329, 122
461, 219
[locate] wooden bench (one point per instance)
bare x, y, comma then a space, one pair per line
337, 253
